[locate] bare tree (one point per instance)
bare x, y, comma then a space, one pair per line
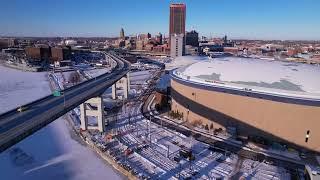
211, 126
74, 78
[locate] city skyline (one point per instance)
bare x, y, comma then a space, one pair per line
159, 89
285, 20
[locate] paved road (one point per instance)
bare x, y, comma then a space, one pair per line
14, 126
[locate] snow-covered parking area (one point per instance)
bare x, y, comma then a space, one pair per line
155, 156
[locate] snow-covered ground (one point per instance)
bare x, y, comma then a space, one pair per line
52, 152
18, 88
140, 77
97, 72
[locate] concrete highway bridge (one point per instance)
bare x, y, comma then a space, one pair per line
15, 125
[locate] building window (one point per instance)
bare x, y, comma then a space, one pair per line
307, 136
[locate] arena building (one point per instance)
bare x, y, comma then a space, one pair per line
275, 100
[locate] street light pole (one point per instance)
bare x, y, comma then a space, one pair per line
149, 129
64, 99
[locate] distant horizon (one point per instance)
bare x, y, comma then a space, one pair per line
248, 19
112, 37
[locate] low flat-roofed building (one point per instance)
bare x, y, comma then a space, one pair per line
60, 53
38, 53
158, 48
232, 50
5, 43
149, 47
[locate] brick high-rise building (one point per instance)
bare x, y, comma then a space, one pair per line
178, 20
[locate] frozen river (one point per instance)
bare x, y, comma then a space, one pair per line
50, 153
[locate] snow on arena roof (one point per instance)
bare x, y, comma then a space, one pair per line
183, 61
266, 75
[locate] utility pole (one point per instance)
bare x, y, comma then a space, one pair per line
149, 123
64, 99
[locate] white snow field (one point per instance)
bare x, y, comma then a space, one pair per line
50, 153
184, 61
18, 88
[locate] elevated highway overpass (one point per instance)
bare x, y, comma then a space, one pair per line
15, 126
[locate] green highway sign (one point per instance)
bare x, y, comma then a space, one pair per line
56, 93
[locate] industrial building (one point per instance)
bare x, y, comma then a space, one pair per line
258, 99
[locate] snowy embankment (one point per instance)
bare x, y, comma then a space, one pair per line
18, 88
50, 153
96, 72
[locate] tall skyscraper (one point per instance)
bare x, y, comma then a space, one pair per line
178, 21
225, 39
122, 34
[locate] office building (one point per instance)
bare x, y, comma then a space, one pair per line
60, 53
159, 38
122, 34
7, 42
192, 38
40, 53
177, 21
176, 45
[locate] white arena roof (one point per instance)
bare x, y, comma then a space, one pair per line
276, 77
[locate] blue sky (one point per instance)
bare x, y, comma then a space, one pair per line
252, 19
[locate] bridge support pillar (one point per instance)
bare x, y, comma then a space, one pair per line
125, 84
114, 91
87, 110
125, 87
128, 81
83, 117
